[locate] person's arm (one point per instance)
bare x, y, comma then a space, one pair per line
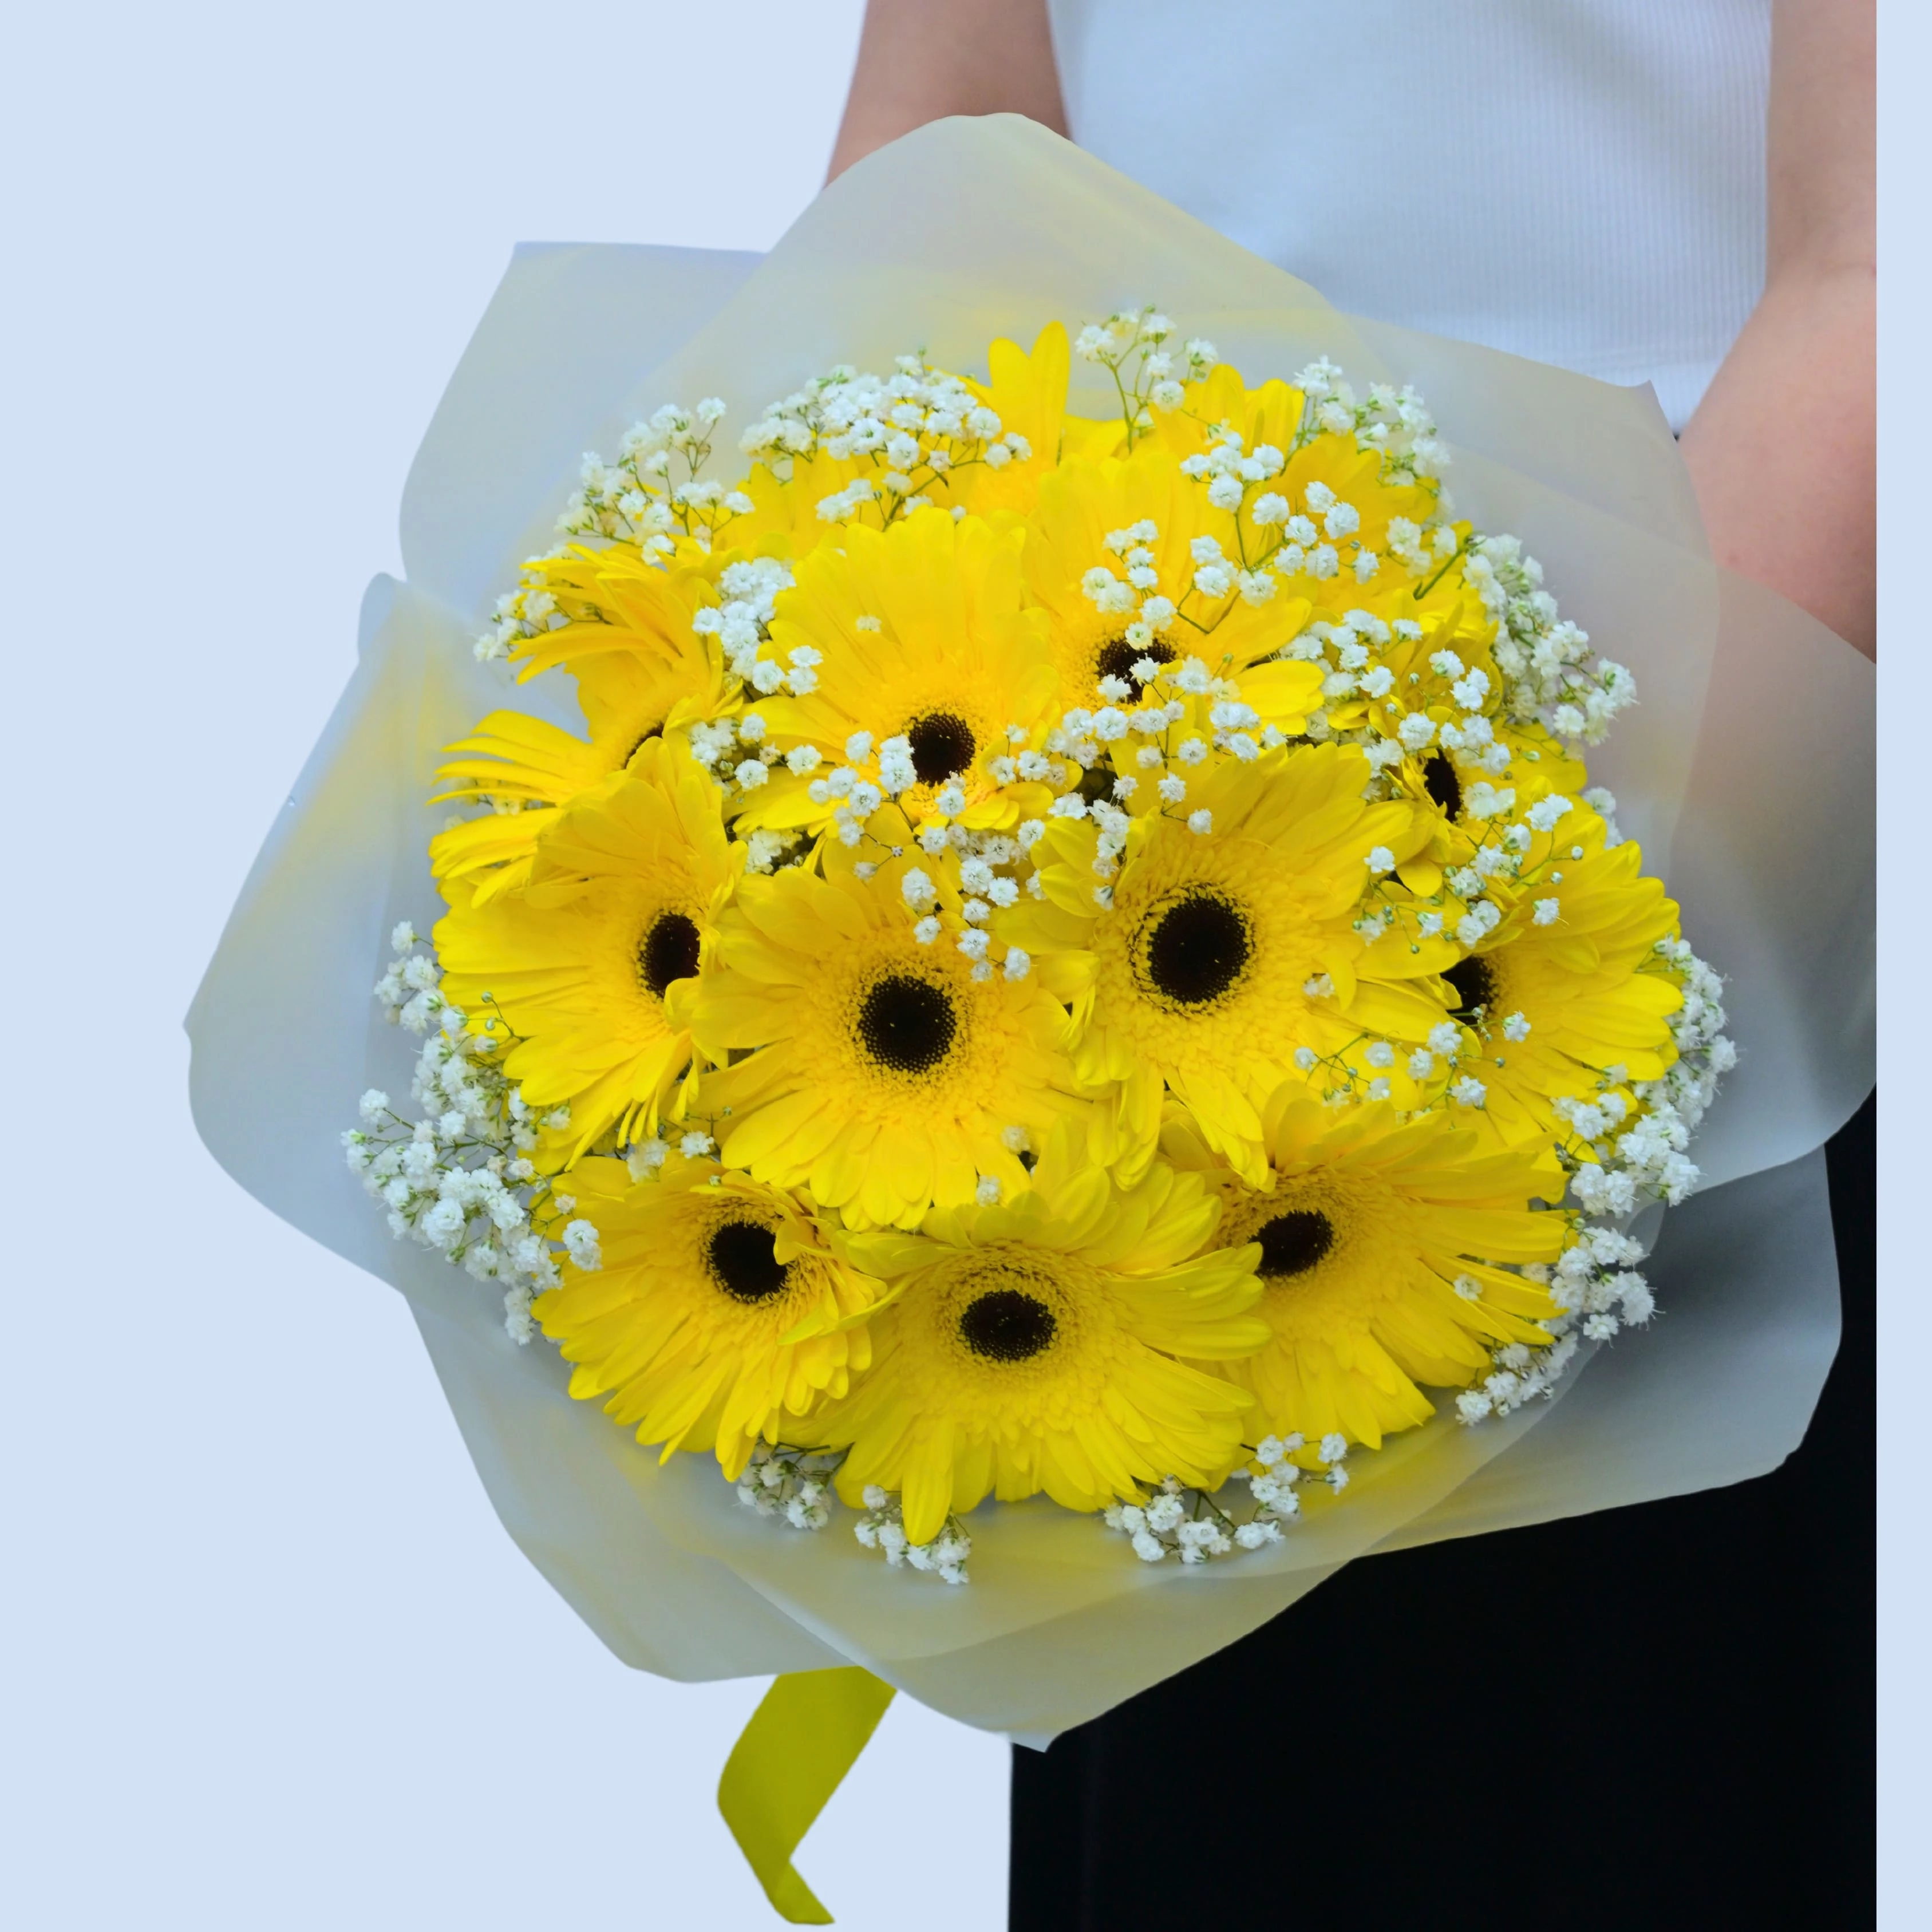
1782, 449
920, 61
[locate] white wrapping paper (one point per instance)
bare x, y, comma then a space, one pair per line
965, 231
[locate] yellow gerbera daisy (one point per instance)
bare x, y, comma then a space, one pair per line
877, 1070
925, 652
1570, 986
1383, 1246
629, 697
984, 475
1027, 392
1032, 1346
1412, 623
1155, 516
1444, 787
1330, 464
1436, 694
1215, 957
615, 600
719, 1316
1269, 417
592, 964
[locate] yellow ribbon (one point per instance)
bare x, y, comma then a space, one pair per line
802, 1739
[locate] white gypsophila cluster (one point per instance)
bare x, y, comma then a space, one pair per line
1640, 1153
645, 1158
1452, 1049
652, 494
1597, 1289
1179, 1521
459, 1180
1637, 1154
1318, 536
527, 611
908, 431
736, 751
794, 1484
883, 1528
1509, 845
1519, 1373
1685, 1093
1551, 675
741, 622
989, 868
767, 852
1394, 422
642, 498
1174, 713
1350, 652
1130, 345
1603, 801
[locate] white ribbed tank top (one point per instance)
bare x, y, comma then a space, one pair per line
1578, 181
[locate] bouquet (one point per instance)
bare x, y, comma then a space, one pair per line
1032, 948
1078, 959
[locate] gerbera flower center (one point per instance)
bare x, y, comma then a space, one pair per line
1096, 783
1117, 659
744, 1263
1003, 1325
643, 739
668, 951
907, 1024
1291, 1243
943, 745
1443, 785
1475, 981
1197, 947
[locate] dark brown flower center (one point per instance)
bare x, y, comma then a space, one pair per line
943, 745
744, 1263
1475, 981
668, 951
1096, 783
1443, 785
1199, 948
907, 1024
644, 738
1118, 658
1291, 1243
1003, 1325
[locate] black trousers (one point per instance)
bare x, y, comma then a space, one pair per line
1709, 1766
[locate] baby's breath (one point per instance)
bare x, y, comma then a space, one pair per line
458, 1179
909, 432
883, 1528
1191, 1525
794, 1485
1131, 346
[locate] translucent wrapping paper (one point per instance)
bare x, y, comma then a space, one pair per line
1745, 771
